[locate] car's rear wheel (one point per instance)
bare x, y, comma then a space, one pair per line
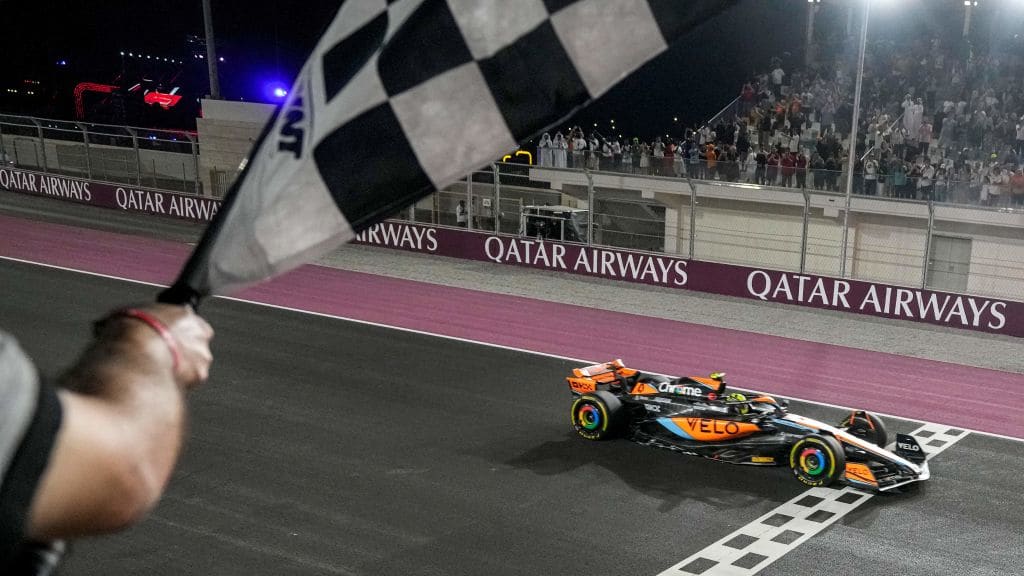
597, 415
866, 426
817, 460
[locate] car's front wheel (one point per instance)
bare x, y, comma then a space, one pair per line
597, 415
817, 460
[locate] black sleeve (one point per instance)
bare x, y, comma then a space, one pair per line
26, 468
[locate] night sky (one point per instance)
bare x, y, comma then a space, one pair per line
263, 40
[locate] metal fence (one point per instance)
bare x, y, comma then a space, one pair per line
970, 185
919, 243
122, 154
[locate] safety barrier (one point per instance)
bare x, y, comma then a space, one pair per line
134, 156
520, 246
110, 195
808, 290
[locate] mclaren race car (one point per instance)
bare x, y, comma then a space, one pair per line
698, 416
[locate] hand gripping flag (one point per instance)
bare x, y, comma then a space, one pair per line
402, 97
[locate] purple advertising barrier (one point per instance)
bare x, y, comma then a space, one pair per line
941, 308
887, 301
107, 195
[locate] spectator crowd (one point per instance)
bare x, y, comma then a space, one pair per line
938, 123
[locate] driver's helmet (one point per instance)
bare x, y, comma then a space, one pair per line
737, 397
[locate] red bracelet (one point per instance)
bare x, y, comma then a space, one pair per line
157, 325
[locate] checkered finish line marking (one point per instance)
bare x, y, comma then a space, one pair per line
755, 546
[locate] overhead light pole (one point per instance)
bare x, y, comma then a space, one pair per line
853, 136
968, 4
812, 7
211, 51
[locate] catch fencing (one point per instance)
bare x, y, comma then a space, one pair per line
143, 157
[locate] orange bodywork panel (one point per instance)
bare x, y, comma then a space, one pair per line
860, 473
715, 385
613, 376
643, 389
712, 430
582, 385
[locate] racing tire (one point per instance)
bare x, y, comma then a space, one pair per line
817, 460
597, 415
867, 427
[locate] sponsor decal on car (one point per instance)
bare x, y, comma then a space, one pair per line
682, 390
709, 426
581, 386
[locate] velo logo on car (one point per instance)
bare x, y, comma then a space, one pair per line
712, 429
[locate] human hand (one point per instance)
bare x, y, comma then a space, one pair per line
185, 337
192, 334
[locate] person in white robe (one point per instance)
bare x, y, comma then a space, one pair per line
544, 151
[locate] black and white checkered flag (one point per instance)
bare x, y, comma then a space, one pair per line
401, 98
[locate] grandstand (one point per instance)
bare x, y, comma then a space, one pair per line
942, 118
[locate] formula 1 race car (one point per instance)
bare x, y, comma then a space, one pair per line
697, 416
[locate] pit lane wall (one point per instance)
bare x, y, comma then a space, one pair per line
109, 195
873, 299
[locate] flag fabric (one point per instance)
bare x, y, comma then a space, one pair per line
400, 98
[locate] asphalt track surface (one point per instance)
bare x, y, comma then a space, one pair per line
324, 446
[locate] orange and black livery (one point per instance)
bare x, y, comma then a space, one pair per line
700, 416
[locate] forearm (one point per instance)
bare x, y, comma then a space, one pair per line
122, 425
124, 420
132, 371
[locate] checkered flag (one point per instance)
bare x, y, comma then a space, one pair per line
402, 97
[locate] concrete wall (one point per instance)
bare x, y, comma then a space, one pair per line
996, 267
885, 252
738, 237
228, 130
756, 226
824, 246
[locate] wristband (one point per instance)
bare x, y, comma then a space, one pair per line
155, 324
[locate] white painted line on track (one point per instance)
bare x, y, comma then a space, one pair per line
755, 546
476, 342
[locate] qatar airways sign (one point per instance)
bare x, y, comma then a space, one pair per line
879, 300
941, 308
586, 260
106, 195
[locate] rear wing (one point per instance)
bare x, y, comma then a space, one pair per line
598, 369
598, 376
